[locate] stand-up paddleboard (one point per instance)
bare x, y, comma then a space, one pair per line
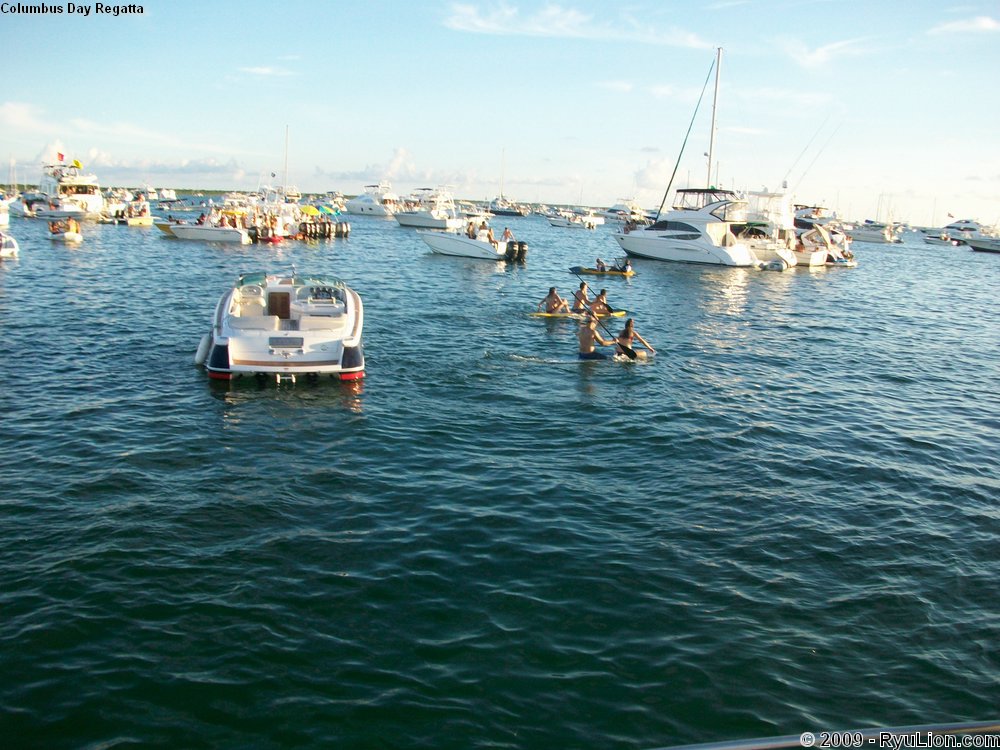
576, 316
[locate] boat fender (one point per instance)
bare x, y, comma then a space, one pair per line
202, 352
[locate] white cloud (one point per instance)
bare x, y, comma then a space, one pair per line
809, 56
978, 24
566, 23
620, 86
265, 71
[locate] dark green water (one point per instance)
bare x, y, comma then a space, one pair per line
787, 521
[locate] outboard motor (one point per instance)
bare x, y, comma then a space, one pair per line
511, 253
522, 252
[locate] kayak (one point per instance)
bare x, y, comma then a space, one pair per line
595, 272
576, 316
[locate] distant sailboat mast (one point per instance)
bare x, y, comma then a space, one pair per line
715, 105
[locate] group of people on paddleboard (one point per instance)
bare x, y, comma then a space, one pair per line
588, 335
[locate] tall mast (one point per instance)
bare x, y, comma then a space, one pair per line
715, 104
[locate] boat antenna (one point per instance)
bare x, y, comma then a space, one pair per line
684, 144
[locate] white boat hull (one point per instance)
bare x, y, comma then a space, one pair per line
984, 245
203, 233
459, 245
426, 220
654, 245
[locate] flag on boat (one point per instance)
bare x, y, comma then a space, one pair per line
60, 157
951, 216
76, 163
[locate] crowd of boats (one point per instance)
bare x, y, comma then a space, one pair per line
289, 325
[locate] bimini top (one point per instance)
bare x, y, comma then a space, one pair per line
695, 199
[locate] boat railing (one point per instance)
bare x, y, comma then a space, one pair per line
982, 734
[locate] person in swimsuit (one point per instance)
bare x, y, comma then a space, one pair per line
600, 304
553, 303
588, 337
628, 335
580, 299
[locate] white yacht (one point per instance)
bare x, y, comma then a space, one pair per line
957, 233
984, 244
377, 200
283, 326
64, 192
626, 209
697, 230
430, 208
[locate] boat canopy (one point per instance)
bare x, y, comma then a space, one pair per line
695, 199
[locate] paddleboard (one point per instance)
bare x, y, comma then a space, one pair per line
594, 272
576, 316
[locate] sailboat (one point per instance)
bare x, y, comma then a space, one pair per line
502, 206
703, 225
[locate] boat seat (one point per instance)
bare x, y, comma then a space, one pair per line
320, 323
250, 307
255, 323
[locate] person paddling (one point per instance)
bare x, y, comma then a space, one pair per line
628, 335
588, 337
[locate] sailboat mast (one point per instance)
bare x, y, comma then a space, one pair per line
715, 105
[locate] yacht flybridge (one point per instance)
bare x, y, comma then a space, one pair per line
701, 228
283, 326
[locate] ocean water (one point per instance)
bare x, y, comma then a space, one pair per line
786, 521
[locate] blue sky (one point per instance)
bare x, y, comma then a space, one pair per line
867, 107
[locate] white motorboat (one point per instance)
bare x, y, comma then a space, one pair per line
957, 233
876, 232
984, 244
8, 246
208, 233
626, 209
573, 220
377, 200
430, 208
697, 230
450, 243
224, 226
830, 237
65, 192
285, 325
5, 213
167, 195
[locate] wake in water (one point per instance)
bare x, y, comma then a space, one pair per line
577, 360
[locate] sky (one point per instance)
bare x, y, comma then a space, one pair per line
868, 107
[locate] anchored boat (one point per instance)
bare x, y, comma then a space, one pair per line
284, 326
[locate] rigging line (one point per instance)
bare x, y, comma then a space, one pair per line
684, 144
805, 149
818, 154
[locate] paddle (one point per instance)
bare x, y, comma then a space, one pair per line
610, 308
627, 351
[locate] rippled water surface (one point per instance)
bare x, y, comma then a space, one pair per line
788, 520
